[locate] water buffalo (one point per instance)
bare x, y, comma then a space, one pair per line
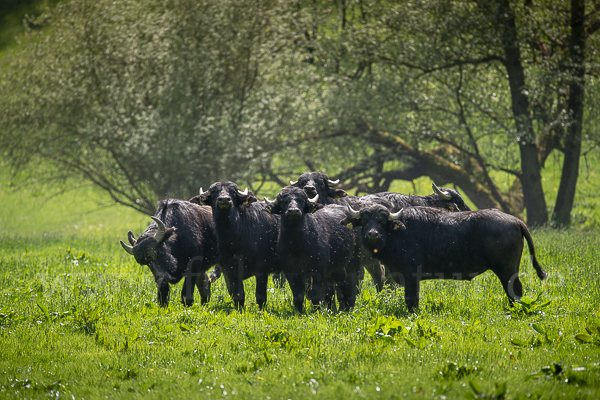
420, 243
314, 247
442, 198
246, 236
188, 247
320, 183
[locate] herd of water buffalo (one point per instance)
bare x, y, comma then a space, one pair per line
322, 239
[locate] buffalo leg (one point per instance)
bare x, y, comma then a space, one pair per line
375, 269
512, 286
227, 284
187, 292
412, 287
317, 292
353, 272
203, 285
238, 294
297, 287
235, 275
344, 290
261, 289
163, 294
330, 295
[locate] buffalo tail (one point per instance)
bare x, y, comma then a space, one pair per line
538, 268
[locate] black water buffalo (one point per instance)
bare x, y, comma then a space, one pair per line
188, 247
320, 183
421, 243
443, 198
314, 247
246, 236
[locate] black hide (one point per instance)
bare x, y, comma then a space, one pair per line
319, 182
428, 243
188, 249
246, 236
314, 248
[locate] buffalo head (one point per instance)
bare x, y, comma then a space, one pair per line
376, 221
448, 199
292, 203
154, 249
318, 183
222, 196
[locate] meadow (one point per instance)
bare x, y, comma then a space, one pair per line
79, 319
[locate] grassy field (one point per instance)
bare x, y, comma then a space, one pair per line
78, 319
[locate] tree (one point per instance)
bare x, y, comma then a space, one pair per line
482, 86
145, 99
150, 99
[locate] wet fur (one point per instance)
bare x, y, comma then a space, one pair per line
427, 243
189, 236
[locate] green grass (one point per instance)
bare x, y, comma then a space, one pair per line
78, 317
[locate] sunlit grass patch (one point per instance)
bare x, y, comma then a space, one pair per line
79, 317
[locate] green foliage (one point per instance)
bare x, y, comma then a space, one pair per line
528, 306
499, 392
592, 336
156, 98
456, 371
281, 338
544, 336
145, 99
385, 327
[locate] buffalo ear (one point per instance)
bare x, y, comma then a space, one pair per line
350, 222
337, 193
313, 207
273, 209
195, 200
201, 199
398, 225
247, 198
251, 199
170, 233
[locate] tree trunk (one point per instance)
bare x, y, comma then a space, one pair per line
572, 148
531, 178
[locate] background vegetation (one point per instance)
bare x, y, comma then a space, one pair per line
154, 99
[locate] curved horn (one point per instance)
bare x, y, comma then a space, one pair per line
353, 214
333, 182
131, 238
160, 234
314, 200
128, 249
443, 195
201, 192
395, 216
244, 193
292, 183
271, 203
